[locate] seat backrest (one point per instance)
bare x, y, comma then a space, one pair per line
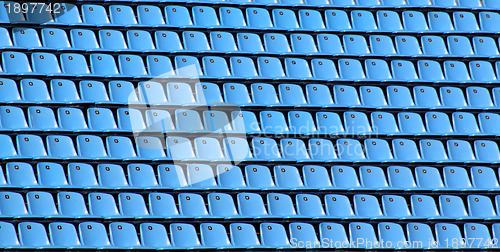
141, 175
439, 21
428, 177
284, 18
258, 18
32, 234
81, 175
93, 234
344, 176
162, 204
132, 204
177, 15
154, 235
123, 234
71, 204
102, 204
258, 176
362, 231
111, 175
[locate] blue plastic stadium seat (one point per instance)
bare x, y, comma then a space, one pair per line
201, 176
363, 20
389, 21
319, 95
154, 235
459, 46
384, 123
122, 15
69, 14
309, 205
258, 176
93, 234
83, 39
103, 64
9, 91
258, 18
216, 121
26, 37
414, 21
90, 146
337, 20
42, 118
230, 16
355, 44
243, 67
71, 204
214, 235
487, 21
149, 15
177, 16
120, 147
346, 95
30, 146
366, 206
377, 149
287, 176
132, 204
131, 65
15, 62
215, 67
64, 91
428, 177
273, 234
465, 21
179, 93
243, 234
51, 174
168, 40
12, 118
344, 177
477, 235
41, 204
140, 40
111, 175
34, 90
381, 45
480, 206
94, 14
33, 234
45, 63
74, 64
63, 234
123, 235
421, 235
440, 21
321, 150
81, 175
192, 205
407, 45
311, 19
363, 234
377, 70
184, 236
285, 19
102, 205
13, 204
356, 123
400, 177
395, 206
162, 204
